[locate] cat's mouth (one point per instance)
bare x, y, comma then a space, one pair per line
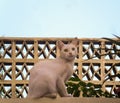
71, 56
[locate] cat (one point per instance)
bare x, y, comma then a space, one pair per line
48, 77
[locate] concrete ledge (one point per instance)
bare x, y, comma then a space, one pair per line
63, 100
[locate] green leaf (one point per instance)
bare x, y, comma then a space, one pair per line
70, 90
81, 83
116, 36
113, 41
90, 84
74, 79
97, 86
76, 93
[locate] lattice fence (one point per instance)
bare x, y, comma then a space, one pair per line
18, 55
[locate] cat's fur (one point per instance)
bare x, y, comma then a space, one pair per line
48, 77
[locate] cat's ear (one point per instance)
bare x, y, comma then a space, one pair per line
60, 44
75, 41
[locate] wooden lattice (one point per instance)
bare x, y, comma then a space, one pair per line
18, 55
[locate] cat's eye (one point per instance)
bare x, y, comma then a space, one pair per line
73, 49
65, 50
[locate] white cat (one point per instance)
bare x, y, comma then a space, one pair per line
48, 77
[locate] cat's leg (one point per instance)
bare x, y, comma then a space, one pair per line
61, 88
51, 89
37, 90
36, 95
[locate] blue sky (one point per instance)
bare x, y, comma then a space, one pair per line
60, 18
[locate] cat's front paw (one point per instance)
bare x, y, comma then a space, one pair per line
69, 95
51, 95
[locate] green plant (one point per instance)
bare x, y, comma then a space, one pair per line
75, 86
116, 42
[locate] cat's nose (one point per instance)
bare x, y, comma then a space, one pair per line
70, 53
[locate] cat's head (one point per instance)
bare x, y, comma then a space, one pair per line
68, 51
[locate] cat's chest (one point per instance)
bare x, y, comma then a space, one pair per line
67, 72
68, 69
